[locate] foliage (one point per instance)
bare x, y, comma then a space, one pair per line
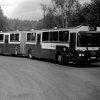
60, 14
94, 14
16, 24
72, 13
51, 17
3, 22
90, 14
67, 7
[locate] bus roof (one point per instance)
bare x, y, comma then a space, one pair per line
71, 29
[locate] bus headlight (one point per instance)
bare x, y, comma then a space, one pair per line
81, 54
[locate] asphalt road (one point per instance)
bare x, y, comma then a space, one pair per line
25, 79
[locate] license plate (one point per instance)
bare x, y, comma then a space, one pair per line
93, 57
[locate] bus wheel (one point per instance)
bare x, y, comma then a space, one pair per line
59, 58
30, 54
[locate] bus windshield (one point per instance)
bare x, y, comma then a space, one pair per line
86, 39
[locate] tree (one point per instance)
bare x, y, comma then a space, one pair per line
16, 24
52, 18
90, 13
3, 22
66, 7
60, 13
94, 15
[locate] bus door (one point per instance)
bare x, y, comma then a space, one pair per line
72, 52
6, 45
38, 46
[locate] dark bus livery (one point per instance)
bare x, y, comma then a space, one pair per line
72, 45
12, 42
9, 42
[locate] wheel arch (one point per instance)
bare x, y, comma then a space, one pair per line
57, 53
29, 50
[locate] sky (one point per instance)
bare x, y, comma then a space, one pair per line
25, 9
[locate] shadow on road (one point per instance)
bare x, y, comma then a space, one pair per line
87, 65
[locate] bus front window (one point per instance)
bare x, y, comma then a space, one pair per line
86, 39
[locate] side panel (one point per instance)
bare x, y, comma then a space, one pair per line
1, 43
14, 48
64, 50
48, 50
31, 46
72, 51
31, 43
1, 47
14, 45
38, 46
6, 44
22, 43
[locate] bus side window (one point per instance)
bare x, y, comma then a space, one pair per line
16, 37
1, 37
63, 36
6, 38
11, 37
38, 38
33, 36
54, 36
28, 36
45, 36
72, 40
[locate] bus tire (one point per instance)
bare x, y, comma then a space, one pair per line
59, 58
30, 54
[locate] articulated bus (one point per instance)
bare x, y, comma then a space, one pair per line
71, 45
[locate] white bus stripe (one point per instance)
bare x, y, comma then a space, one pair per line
14, 42
52, 45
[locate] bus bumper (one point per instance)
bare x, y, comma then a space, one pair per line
88, 60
